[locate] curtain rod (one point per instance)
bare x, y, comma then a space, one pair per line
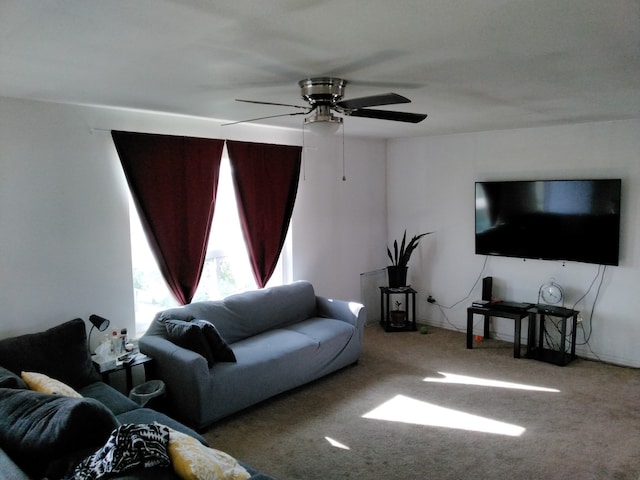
100, 129
94, 129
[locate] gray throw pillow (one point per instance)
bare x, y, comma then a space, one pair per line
190, 336
221, 351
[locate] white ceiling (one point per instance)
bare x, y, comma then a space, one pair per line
472, 65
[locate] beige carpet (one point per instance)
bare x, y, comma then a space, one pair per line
418, 407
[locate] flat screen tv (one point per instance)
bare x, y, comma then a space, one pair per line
573, 220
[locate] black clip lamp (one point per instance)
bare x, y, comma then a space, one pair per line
97, 322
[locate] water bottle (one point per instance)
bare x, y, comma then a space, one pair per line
115, 343
123, 340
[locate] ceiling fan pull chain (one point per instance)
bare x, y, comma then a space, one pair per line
304, 156
344, 177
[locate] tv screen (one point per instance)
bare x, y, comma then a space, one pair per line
575, 220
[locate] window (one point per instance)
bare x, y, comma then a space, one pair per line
226, 269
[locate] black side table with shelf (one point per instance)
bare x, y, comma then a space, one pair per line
385, 301
515, 314
558, 356
139, 359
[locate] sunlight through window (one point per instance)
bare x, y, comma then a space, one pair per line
226, 269
337, 444
408, 410
464, 380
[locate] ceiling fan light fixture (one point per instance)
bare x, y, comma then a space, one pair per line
323, 122
323, 127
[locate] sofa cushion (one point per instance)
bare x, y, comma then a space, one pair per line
109, 397
221, 350
265, 309
8, 379
60, 352
189, 335
331, 334
268, 364
39, 382
37, 428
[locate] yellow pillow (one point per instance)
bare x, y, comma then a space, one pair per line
41, 383
193, 461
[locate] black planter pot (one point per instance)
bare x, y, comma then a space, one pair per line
398, 318
397, 276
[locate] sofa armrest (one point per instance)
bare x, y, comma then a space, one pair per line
185, 373
10, 471
350, 312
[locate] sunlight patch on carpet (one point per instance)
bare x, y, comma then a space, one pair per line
485, 382
408, 410
337, 444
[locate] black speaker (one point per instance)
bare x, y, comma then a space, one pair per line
487, 287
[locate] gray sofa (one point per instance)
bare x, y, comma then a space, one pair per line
282, 337
43, 435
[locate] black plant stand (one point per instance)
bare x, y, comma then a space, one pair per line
385, 301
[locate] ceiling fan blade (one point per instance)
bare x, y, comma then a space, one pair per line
271, 103
373, 101
264, 118
389, 115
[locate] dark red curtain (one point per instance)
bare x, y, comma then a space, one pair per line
266, 181
173, 181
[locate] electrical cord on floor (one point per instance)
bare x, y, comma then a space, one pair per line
447, 318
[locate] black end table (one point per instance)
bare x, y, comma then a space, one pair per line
139, 359
489, 311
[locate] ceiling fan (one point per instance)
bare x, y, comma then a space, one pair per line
324, 96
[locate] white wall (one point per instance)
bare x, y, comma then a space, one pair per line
64, 225
431, 187
344, 230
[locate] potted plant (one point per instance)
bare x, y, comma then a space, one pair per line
398, 316
397, 271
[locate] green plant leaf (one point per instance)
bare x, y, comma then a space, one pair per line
400, 258
390, 256
395, 252
407, 251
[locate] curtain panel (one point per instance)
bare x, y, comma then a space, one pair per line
266, 183
174, 181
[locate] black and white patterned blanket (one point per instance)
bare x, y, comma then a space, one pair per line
129, 446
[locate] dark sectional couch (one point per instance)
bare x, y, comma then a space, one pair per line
43, 435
